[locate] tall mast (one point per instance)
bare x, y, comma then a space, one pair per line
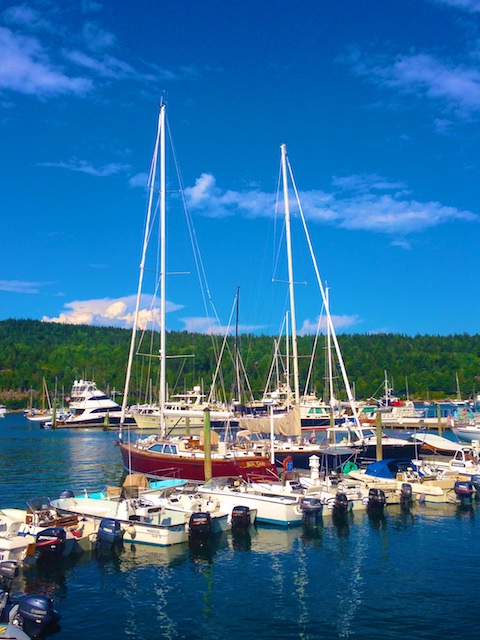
151, 192
290, 275
163, 262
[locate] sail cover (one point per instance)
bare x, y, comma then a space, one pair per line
287, 424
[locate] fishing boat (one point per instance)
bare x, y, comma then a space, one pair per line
161, 455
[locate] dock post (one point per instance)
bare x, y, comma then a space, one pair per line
378, 423
207, 447
439, 419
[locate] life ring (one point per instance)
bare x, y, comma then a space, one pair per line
349, 466
287, 463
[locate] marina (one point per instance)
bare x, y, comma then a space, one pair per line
364, 567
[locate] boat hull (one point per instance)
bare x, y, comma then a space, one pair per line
193, 468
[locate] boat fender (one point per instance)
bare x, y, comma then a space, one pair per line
132, 532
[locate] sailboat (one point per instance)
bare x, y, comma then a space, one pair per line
191, 457
348, 439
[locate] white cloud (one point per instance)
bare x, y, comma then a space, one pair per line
359, 202
26, 68
21, 286
339, 322
112, 312
83, 166
208, 198
455, 87
468, 5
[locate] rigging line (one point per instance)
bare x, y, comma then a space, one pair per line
160, 125
312, 359
325, 302
204, 286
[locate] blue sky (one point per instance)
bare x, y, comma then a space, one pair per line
378, 103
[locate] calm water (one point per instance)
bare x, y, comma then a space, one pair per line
412, 574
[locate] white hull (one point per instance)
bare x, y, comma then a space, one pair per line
280, 510
162, 528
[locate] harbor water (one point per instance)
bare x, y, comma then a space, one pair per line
412, 573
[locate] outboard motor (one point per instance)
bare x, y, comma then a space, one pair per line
311, 508
475, 479
109, 531
464, 491
406, 493
376, 499
37, 614
29, 617
200, 524
51, 542
240, 518
340, 505
68, 493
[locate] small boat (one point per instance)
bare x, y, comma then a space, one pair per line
14, 545
3, 411
53, 534
30, 616
466, 430
141, 521
280, 507
406, 480
432, 443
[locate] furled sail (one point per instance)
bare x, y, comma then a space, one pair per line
287, 424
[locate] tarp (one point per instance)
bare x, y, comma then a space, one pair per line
287, 424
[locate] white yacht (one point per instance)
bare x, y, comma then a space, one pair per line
88, 406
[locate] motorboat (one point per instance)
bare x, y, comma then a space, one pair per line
88, 406
140, 521
406, 478
281, 508
363, 439
29, 616
44, 532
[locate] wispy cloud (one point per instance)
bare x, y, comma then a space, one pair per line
472, 6
25, 67
21, 286
455, 87
117, 312
85, 167
358, 202
71, 63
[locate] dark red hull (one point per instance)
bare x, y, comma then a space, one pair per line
160, 465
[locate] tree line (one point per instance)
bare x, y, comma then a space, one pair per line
422, 366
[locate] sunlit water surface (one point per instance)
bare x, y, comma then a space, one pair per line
411, 574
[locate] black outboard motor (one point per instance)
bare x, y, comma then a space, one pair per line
200, 525
464, 491
37, 613
32, 615
68, 493
475, 479
406, 494
311, 508
376, 500
109, 532
51, 543
340, 505
240, 518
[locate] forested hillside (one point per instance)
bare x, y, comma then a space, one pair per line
31, 350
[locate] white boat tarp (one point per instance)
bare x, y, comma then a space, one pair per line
287, 424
